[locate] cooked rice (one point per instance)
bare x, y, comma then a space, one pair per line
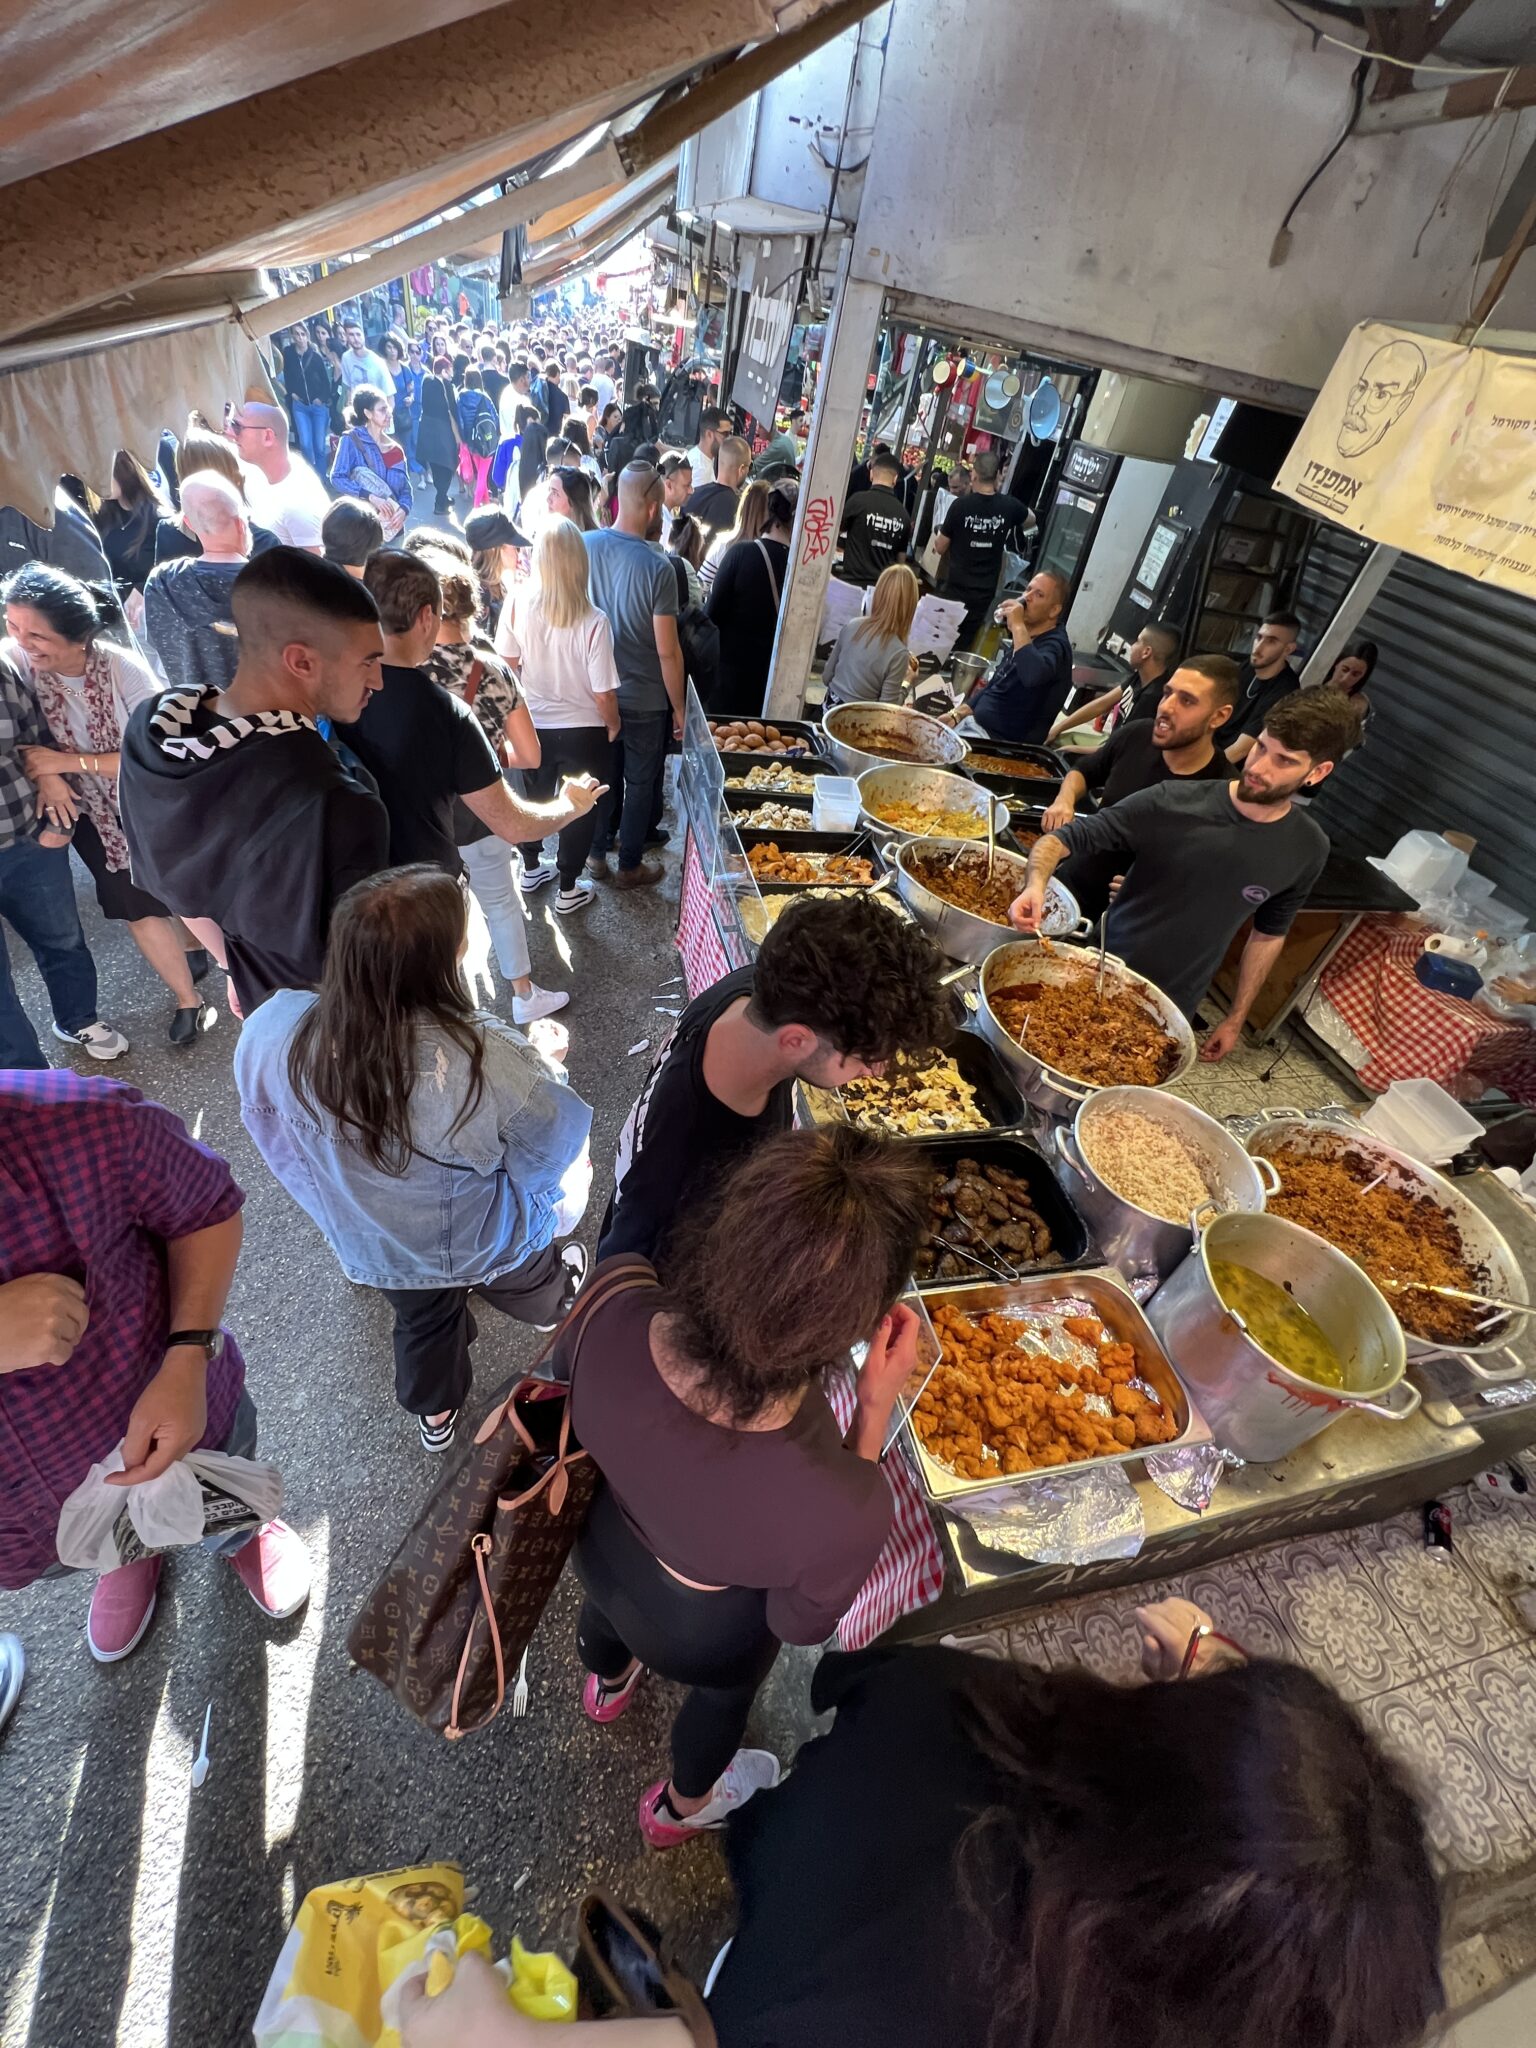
1141, 1160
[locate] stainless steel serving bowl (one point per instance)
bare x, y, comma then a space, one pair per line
933, 789
963, 934
1484, 1245
1057, 1093
847, 726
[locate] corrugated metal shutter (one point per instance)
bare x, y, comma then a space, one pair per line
1452, 741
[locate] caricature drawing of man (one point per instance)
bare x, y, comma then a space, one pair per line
1381, 394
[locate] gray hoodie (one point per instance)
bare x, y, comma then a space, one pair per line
188, 623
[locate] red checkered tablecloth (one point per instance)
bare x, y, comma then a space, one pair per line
909, 1572
1411, 1031
704, 957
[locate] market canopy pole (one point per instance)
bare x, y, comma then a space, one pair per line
1353, 606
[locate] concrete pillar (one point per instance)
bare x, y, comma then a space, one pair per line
840, 394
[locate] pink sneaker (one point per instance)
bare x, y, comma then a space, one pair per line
603, 1703
274, 1568
122, 1607
750, 1771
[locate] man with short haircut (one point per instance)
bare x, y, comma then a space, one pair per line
307, 381
1201, 858
352, 532
877, 528
234, 805
976, 530
1174, 745
187, 618
1151, 656
714, 505
286, 496
676, 489
838, 989
360, 365
1267, 676
1023, 694
602, 383
635, 587
714, 425
551, 399
494, 380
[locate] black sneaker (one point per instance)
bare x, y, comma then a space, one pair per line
187, 1024
437, 1436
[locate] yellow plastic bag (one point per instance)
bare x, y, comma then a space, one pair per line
542, 1987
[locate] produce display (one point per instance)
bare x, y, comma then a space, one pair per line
1103, 1039
1141, 1159
1279, 1324
1010, 1396
913, 1098
1001, 764
778, 776
1393, 1233
963, 881
771, 864
989, 1209
927, 821
752, 736
776, 817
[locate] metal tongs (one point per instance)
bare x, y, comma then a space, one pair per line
978, 1255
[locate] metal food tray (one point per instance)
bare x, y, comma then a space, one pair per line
803, 764
858, 843
997, 1095
800, 730
745, 801
1100, 1293
1069, 1233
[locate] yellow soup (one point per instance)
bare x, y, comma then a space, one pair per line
1279, 1324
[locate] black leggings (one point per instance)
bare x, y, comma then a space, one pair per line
717, 1644
443, 474
567, 750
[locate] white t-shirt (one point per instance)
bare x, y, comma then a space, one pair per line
293, 508
607, 392
703, 466
563, 667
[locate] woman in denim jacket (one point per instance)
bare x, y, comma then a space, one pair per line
436, 1149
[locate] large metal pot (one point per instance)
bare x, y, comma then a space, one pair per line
963, 934
1256, 1406
846, 726
1059, 1094
1482, 1242
1141, 1244
933, 789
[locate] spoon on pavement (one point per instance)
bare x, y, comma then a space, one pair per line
200, 1766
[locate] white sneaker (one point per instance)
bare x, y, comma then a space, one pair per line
535, 878
568, 901
749, 1772
99, 1040
539, 1002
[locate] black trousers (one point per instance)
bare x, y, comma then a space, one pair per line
443, 474
434, 1328
717, 1644
977, 612
567, 750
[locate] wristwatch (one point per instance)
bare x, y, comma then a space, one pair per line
211, 1342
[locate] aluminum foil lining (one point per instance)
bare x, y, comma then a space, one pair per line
1068, 1518
1190, 1474
1512, 1395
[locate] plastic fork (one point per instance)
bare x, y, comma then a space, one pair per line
520, 1690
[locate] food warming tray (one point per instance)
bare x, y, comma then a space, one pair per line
1069, 1234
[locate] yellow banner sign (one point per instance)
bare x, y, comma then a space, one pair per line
1429, 447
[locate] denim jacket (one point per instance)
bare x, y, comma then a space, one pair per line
473, 1203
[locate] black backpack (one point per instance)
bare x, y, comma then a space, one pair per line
700, 638
484, 430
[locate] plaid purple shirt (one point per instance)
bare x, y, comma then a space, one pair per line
93, 1180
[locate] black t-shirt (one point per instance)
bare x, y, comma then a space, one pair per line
679, 1136
977, 528
876, 531
1127, 761
852, 1926
1140, 700
1253, 701
1195, 871
423, 746
744, 602
714, 506
494, 383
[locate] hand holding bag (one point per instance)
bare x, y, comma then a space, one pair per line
464, 1592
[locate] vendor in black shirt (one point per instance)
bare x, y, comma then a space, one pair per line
1267, 676
1152, 655
1201, 858
877, 528
975, 532
1175, 745
1032, 681
838, 989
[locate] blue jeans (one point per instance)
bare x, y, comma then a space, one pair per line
639, 762
312, 424
38, 896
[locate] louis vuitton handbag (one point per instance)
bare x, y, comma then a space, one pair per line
464, 1591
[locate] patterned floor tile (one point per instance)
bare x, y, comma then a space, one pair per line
1241, 1607
1435, 1598
1497, 1538
992, 1642
1473, 1816
1099, 1634
1495, 1699
1338, 1619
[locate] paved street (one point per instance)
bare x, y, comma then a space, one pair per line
137, 1911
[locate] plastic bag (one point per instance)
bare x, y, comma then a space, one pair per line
354, 1946
206, 1493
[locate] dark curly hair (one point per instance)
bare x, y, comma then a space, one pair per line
1315, 722
865, 981
800, 1250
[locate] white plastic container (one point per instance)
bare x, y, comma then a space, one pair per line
835, 804
1425, 864
1420, 1118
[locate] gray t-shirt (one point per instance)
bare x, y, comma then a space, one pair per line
633, 584
1195, 871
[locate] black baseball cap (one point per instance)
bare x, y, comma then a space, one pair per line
492, 528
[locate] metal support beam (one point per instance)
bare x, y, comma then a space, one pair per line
1353, 606
1458, 101
840, 392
